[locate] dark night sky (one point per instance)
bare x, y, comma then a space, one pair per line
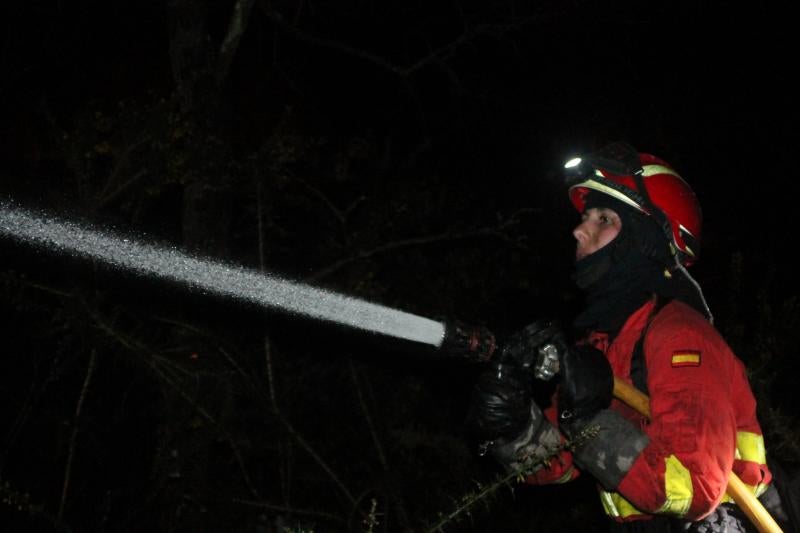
706, 88
497, 96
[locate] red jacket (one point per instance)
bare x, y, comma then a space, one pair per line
703, 418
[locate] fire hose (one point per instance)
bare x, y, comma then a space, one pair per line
478, 343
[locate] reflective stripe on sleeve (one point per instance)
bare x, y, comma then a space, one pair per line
677, 488
750, 447
616, 506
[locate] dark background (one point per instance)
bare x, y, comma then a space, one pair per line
407, 153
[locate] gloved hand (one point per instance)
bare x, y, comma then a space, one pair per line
500, 406
509, 425
523, 347
585, 392
587, 384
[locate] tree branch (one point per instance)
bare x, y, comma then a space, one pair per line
236, 28
159, 365
74, 436
106, 196
364, 409
437, 55
497, 231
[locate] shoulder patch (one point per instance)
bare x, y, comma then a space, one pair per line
682, 358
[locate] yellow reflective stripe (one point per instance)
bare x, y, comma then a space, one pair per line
598, 186
616, 506
650, 170
677, 488
607, 499
678, 481
750, 447
685, 358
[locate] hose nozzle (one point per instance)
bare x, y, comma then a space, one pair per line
475, 343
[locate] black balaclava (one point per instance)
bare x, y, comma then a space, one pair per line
620, 277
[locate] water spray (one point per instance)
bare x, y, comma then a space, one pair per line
235, 281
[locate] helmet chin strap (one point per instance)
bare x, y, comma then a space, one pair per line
685, 272
662, 220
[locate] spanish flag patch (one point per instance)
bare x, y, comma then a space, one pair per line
682, 358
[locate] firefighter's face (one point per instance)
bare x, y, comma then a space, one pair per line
599, 226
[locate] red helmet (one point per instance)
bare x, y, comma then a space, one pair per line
618, 171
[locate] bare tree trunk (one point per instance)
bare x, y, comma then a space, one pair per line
206, 217
236, 29
189, 49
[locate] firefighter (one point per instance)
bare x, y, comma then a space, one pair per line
646, 322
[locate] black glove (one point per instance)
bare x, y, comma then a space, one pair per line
585, 392
587, 384
522, 348
500, 407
